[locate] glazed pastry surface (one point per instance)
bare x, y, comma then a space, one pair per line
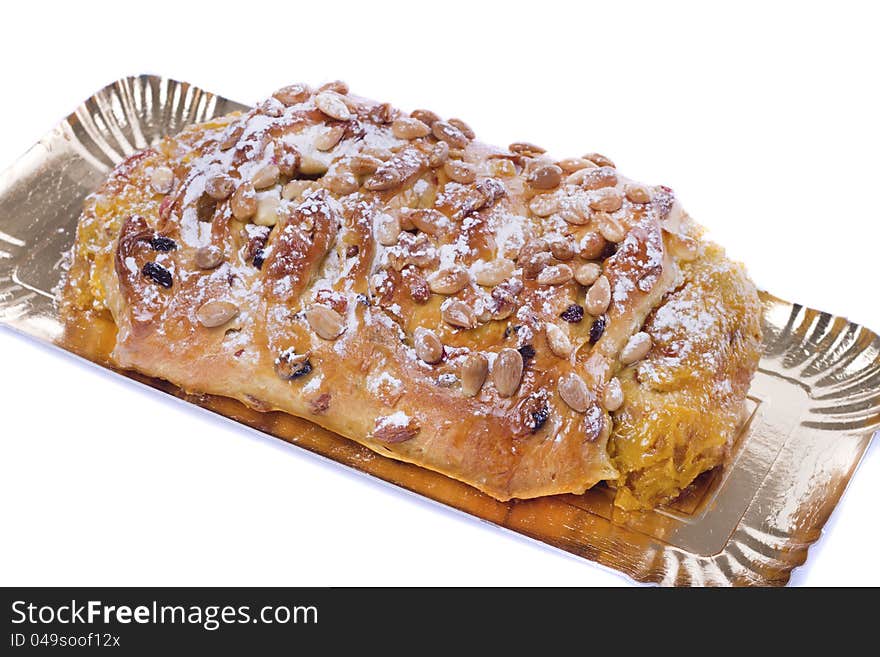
527, 325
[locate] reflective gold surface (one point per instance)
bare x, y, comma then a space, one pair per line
813, 407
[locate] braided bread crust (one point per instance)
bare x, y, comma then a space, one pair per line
474, 310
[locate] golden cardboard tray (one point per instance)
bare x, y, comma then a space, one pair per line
813, 407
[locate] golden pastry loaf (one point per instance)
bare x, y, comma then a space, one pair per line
526, 325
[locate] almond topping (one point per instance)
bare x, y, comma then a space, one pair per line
425, 116
216, 313
292, 94
573, 164
445, 131
325, 321
208, 257
595, 178
162, 180
328, 139
637, 193
574, 392
473, 373
557, 340
587, 273
612, 398
494, 272
543, 205
460, 172
598, 297
438, 155
244, 202
609, 200
562, 248
265, 177
219, 187
409, 128
333, 105
525, 148
363, 164
448, 281
636, 348
555, 275
592, 246
464, 127
427, 345
507, 371
384, 179
267, 211
545, 177
340, 183
610, 228
427, 220
458, 313
387, 229
599, 160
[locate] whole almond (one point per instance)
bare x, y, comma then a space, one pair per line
543, 205
599, 160
598, 297
637, 193
219, 187
410, 128
547, 176
507, 371
459, 314
362, 164
448, 281
208, 257
293, 94
612, 398
427, 345
445, 131
609, 227
494, 272
332, 104
587, 273
592, 246
331, 136
216, 313
574, 392
608, 200
555, 275
474, 369
244, 202
637, 347
460, 172
573, 164
265, 177
557, 340
325, 321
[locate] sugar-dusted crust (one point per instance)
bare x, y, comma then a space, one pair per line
386, 262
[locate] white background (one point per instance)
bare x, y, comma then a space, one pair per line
762, 116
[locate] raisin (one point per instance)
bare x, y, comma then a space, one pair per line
573, 314
158, 274
302, 370
597, 328
527, 352
539, 417
162, 243
352, 251
609, 250
259, 258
